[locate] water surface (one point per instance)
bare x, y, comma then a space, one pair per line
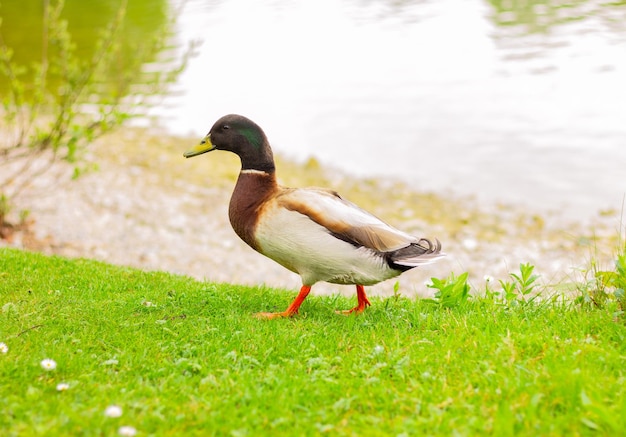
508, 103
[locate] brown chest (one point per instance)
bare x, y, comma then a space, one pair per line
252, 191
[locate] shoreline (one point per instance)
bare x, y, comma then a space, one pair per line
147, 207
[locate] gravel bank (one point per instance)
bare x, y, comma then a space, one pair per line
148, 207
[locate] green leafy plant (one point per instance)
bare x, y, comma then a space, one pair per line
522, 287
452, 291
605, 287
615, 279
54, 108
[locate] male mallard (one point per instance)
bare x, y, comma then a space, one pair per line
310, 231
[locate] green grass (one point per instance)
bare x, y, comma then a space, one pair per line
182, 357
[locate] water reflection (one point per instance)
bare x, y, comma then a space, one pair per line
512, 101
23, 30
528, 30
541, 16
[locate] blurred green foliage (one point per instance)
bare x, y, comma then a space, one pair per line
70, 72
143, 25
541, 15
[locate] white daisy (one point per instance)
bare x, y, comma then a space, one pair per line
113, 411
127, 431
62, 386
48, 364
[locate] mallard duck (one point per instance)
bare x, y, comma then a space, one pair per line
313, 232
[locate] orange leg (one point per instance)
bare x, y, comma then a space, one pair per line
362, 302
293, 308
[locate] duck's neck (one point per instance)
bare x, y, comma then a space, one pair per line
252, 189
259, 156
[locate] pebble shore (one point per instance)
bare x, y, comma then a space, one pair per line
147, 207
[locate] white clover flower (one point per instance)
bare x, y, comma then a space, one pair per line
48, 364
113, 411
378, 349
488, 279
62, 386
3, 348
127, 431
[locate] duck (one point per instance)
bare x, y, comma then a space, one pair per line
313, 232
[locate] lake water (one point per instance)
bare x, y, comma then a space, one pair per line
523, 106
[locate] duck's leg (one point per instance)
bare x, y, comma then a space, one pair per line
362, 302
293, 308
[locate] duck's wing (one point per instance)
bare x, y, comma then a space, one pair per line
346, 221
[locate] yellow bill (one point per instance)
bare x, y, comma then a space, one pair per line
204, 146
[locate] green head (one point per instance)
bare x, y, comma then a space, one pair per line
241, 136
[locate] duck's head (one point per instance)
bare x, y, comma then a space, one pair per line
241, 136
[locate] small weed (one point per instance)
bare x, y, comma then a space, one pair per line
615, 280
522, 286
451, 292
395, 296
606, 286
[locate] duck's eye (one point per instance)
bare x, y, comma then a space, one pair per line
225, 127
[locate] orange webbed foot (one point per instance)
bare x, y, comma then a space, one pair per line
293, 308
363, 303
355, 310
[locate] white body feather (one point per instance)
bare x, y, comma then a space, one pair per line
297, 241
304, 247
